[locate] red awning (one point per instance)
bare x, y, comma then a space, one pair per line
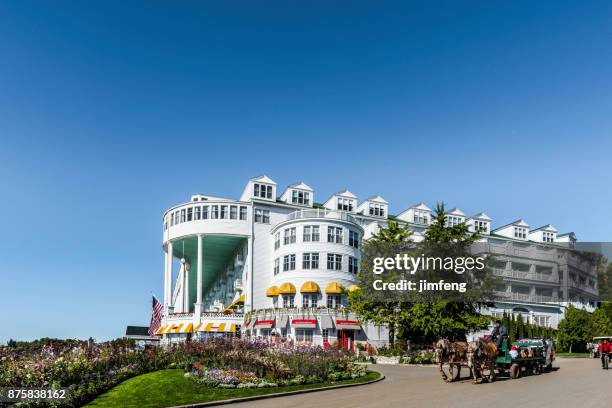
347, 325
304, 323
264, 324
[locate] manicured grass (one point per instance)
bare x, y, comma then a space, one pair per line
573, 355
170, 387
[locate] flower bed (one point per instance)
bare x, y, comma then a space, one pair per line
88, 369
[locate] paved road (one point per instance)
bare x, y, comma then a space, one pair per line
578, 382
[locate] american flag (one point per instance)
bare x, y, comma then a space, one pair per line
156, 316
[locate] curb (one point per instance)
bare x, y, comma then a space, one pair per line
276, 395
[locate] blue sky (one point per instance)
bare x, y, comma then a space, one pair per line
110, 113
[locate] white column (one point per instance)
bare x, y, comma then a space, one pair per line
198, 304
186, 289
168, 278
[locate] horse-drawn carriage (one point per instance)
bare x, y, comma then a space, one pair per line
485, 361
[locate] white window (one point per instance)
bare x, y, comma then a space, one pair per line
190, 214
288, 300
198, 213
548, 236
377, 209
325, 335
233, 212
304, 335
520, 232
277, 240
243, 213
276, 266
214, 212
345, 204
262, 191
311, 233
333, 301
300, 197
353, 265
262, 216
205, 212
334, 262
310, 260
481, 226
334, 234
224, 212
289, 263
289, 236
421, 217
452, 220
353, 239
182, 215
309, 300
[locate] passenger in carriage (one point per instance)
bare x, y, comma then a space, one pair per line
499, 333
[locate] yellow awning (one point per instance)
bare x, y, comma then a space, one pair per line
333, 288
161, 330
353, 288
310, 287
272, 291
206, 328
232, 328
176, 328
286, 289
221, 328
197, 328
237, 302
188, 328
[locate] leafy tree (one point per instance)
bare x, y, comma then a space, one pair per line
425, 321
575, 330
600, 323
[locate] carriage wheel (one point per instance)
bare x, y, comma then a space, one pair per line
488, 375
515, 371
537, 369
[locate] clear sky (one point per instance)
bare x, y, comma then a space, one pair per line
111, 113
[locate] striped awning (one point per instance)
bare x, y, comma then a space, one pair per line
235, 303
217, 327
161, 330
304, 323
263, 324
174, 328
326, 322
333, 288
187, 328
286, 288
347, 325
309, 287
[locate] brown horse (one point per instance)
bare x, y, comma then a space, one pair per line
453, 354
481, 358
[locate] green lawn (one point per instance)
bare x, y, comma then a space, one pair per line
573, 355
170, 387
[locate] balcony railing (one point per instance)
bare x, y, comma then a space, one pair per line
541, 277
321, 213
526, 297
303, 312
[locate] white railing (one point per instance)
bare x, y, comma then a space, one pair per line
542, 277
526, 297
321, 213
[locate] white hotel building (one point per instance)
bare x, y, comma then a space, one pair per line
281, 266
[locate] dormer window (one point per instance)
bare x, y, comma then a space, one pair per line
376, 209
520, 232
262, 191
481, 226
345, 204
548, 236
300, 197
452, 220
421, 217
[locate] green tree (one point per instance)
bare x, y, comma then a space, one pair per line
425, 321
381, 313
600, 323
575, 330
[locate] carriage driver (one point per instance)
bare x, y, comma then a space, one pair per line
499, 333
